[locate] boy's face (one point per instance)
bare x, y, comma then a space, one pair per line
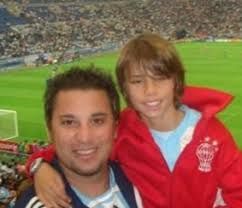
151, 95
82, 130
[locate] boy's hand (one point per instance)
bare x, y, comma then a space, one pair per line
50, 187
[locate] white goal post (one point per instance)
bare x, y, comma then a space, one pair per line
8, 124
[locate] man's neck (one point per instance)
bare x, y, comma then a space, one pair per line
91, 186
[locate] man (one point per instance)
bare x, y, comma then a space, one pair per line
81, 112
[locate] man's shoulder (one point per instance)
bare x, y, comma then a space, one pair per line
115, 166
28, 199
119, 175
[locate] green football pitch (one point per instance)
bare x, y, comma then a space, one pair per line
217, 65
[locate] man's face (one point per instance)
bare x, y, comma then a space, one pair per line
82, 130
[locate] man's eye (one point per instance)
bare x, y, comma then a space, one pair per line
98, 121
67, 122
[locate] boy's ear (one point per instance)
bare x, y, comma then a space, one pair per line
125, 96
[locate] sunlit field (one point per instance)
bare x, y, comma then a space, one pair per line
217, 65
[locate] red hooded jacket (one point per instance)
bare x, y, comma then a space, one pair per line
208, 172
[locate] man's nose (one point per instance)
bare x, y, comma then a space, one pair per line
83, 133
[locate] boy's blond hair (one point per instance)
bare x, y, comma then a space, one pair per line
150, 52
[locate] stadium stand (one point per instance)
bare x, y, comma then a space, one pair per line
12, 170
87, 24
7, 20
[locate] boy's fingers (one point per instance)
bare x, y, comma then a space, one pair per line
55, 199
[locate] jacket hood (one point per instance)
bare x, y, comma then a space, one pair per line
208, 101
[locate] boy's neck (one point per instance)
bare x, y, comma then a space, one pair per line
168, 123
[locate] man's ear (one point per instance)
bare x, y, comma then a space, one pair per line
50, 140
116, 129
49, 135
115, 135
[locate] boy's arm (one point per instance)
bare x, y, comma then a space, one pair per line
48, 183
230, 193
47, 154
231, 183
230, 172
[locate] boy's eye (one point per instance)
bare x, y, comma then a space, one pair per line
136, 81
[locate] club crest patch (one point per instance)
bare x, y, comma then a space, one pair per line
205, 153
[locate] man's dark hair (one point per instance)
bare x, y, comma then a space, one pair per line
84, 78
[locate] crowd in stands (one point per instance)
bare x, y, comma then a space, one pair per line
13, 179
11, 176
45, 26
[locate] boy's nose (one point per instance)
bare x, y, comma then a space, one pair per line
150, 87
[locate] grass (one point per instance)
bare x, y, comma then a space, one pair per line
216, 65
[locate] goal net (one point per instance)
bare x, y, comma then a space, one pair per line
8, 124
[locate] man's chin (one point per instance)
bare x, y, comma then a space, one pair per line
89, 171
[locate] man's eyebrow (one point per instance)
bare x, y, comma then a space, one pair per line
97, 114
100, 114
67, 116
